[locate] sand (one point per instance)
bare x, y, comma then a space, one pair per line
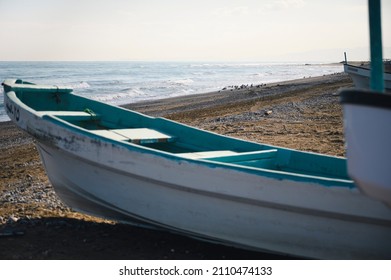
303, 114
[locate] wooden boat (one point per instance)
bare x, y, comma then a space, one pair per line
119, 164
361, 75
367, 112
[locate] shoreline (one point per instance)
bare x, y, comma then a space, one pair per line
167, 106
34, 224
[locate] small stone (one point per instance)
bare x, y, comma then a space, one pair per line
269, 112
12, 219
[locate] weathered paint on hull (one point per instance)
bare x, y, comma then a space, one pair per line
240, 221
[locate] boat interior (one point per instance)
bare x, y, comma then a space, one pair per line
133, 128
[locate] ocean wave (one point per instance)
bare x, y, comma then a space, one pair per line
80, 85
184, 82
128, 95
113, 98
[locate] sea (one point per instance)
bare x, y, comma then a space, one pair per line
123, 82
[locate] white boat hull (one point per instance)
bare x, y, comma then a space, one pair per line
306, 221
361, 77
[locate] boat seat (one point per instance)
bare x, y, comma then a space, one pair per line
206, 154
135, 135
109, 134
71, 115
245, 156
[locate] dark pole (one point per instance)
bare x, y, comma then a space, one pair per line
377, 80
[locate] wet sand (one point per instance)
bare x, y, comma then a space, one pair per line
303, 114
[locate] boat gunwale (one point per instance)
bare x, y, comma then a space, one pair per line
363, 68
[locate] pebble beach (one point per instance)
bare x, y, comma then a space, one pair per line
302, 114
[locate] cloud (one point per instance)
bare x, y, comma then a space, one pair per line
282, 5
265, 6
287, 4
232, 11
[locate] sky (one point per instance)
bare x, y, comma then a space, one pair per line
188, 30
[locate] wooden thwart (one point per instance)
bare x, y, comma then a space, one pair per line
135, 135
231, 156
245, 156
70, 115
207, 154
